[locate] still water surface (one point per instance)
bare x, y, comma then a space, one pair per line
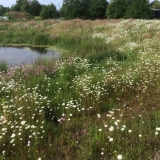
15, 56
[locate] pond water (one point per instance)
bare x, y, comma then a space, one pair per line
15, 56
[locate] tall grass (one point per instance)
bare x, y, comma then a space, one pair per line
76, 40
71, 107
101, 103
3, 66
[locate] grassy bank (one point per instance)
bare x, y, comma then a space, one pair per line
101, 102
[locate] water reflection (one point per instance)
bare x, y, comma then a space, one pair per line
25, 55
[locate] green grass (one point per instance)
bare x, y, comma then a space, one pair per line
98, 103
3, 66
73, 109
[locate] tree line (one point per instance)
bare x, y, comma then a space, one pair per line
87, 9
33, 7
137, 9
115, 9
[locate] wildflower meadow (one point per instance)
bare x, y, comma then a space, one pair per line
100, 101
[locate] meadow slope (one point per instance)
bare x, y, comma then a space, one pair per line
101, 101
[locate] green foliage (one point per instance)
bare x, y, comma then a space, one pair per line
25, 6
3, 66
72, 9
156, 5
17, 6
110, 54
129, 9
41, 39
139, 10
86, 9
32, 7
48, 11
117, 8
35, 8
3, 10
97, 9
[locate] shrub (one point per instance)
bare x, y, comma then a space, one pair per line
48, 12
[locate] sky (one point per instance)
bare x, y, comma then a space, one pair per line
9, 3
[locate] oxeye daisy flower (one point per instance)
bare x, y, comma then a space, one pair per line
119, 157
111, 128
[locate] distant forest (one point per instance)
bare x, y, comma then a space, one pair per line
86, 9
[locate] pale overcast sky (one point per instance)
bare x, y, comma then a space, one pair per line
9, 3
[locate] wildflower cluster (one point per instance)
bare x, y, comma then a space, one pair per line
80, 109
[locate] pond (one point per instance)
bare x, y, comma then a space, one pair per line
15, 56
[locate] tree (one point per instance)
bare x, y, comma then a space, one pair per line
85, 13
4, 10
35, 8
25, 6
21, 5
156, 4
97, 9
139, 9
72, 9
48, 11
117, 8
86, 9
17, 6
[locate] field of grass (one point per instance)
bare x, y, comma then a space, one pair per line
101, 101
